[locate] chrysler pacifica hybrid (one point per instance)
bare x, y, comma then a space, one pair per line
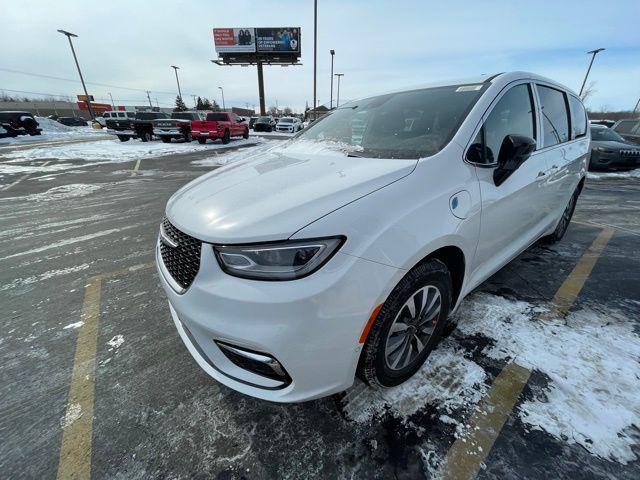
341, 252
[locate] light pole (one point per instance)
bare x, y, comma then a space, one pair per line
636, 107
112, 102
332, 52
69, 35
149, 98
338, 97
593, 56
175, 69
224, 109
315, 54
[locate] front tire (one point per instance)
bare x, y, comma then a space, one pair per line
187, 137
202, 140
245, 135
123, 138
408, 326
145, 136
226, 138
165, 139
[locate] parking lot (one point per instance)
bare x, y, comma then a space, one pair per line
537, 377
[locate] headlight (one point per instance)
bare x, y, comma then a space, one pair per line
604, 150
277, 261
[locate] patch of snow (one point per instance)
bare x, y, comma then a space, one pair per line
19, 282
74, 412
73, 325
16, 169
73, 190
116, 341
591, 361
116, 152
604, 175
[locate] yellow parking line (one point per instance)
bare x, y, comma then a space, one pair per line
75, 450
464, 458
134, 172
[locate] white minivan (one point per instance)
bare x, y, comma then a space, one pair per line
341, 252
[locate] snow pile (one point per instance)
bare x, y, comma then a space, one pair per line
115, 152
53, 130
72, 190
591, 360
52, 126
602, 175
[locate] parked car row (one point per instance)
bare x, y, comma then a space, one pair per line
179, 125
270, 124
16, 123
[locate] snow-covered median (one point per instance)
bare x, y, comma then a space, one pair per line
115, 151
53, 130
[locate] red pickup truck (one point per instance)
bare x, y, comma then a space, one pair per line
219, 125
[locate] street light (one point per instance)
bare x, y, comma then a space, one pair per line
175, 69
332, 52
224, 109
338, 97
593, 56
69, 35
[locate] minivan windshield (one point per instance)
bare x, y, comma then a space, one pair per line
603, 134
404, 125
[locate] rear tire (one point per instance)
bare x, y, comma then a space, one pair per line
565, 220
392, 356
165, 139
187, 137
245, 135
202, 140
123, 138
226, 138
145, 136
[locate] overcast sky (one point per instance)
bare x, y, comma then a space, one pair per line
380, 45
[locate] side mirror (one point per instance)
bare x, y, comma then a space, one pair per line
514, 151
474, 154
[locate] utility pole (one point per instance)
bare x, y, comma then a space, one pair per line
175, 69
593, 56
112, 102
149, 98
315, 54
69, 35
332, 52
224, 108
263, 110
338, 98
636, 107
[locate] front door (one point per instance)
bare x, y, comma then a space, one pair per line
513, 213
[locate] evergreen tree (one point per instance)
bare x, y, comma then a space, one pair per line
180, 105
206, 104
214, 106
200, 104
287, 111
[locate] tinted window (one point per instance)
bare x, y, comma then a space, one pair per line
264, 120
555, 121
512, 115
625, 126
131, 115
216, 117
410, 124
578, 117
183, 116
603, 134
121, 115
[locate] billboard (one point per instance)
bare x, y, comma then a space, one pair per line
265, 44
281, 40
234, 40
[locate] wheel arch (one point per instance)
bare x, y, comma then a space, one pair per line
454, 259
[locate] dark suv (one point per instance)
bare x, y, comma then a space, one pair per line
140, 127
610, 151
18, 123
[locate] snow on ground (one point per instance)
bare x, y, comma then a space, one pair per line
602, 175
72, 190
274, 134
52, 130
591, 361
114, 151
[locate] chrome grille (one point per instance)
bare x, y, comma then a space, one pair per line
183, 260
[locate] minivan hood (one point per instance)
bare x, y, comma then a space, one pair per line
272, 195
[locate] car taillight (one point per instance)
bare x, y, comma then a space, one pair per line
131, 125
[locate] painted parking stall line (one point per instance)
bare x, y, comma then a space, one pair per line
76, 446
465, 457
24, 177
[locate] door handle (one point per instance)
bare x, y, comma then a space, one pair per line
541, 174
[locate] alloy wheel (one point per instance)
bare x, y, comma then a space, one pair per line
412, 328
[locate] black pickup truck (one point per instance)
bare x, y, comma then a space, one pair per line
178, 126
140, 127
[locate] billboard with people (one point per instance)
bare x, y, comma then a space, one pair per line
267, 42
233, 40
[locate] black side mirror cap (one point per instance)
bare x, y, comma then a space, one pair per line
514, 151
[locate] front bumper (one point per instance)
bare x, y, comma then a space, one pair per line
124, 133
284, 129
310, 325
616, 160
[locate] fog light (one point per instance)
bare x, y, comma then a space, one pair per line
256, 362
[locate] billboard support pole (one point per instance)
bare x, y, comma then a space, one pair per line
261, 89
315, 55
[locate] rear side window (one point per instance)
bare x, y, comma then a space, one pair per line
120, 115
216, 117
578, 118
512, 115
555, 120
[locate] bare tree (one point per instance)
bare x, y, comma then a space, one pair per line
588, 91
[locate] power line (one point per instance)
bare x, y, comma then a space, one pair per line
64, 95
52, 77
